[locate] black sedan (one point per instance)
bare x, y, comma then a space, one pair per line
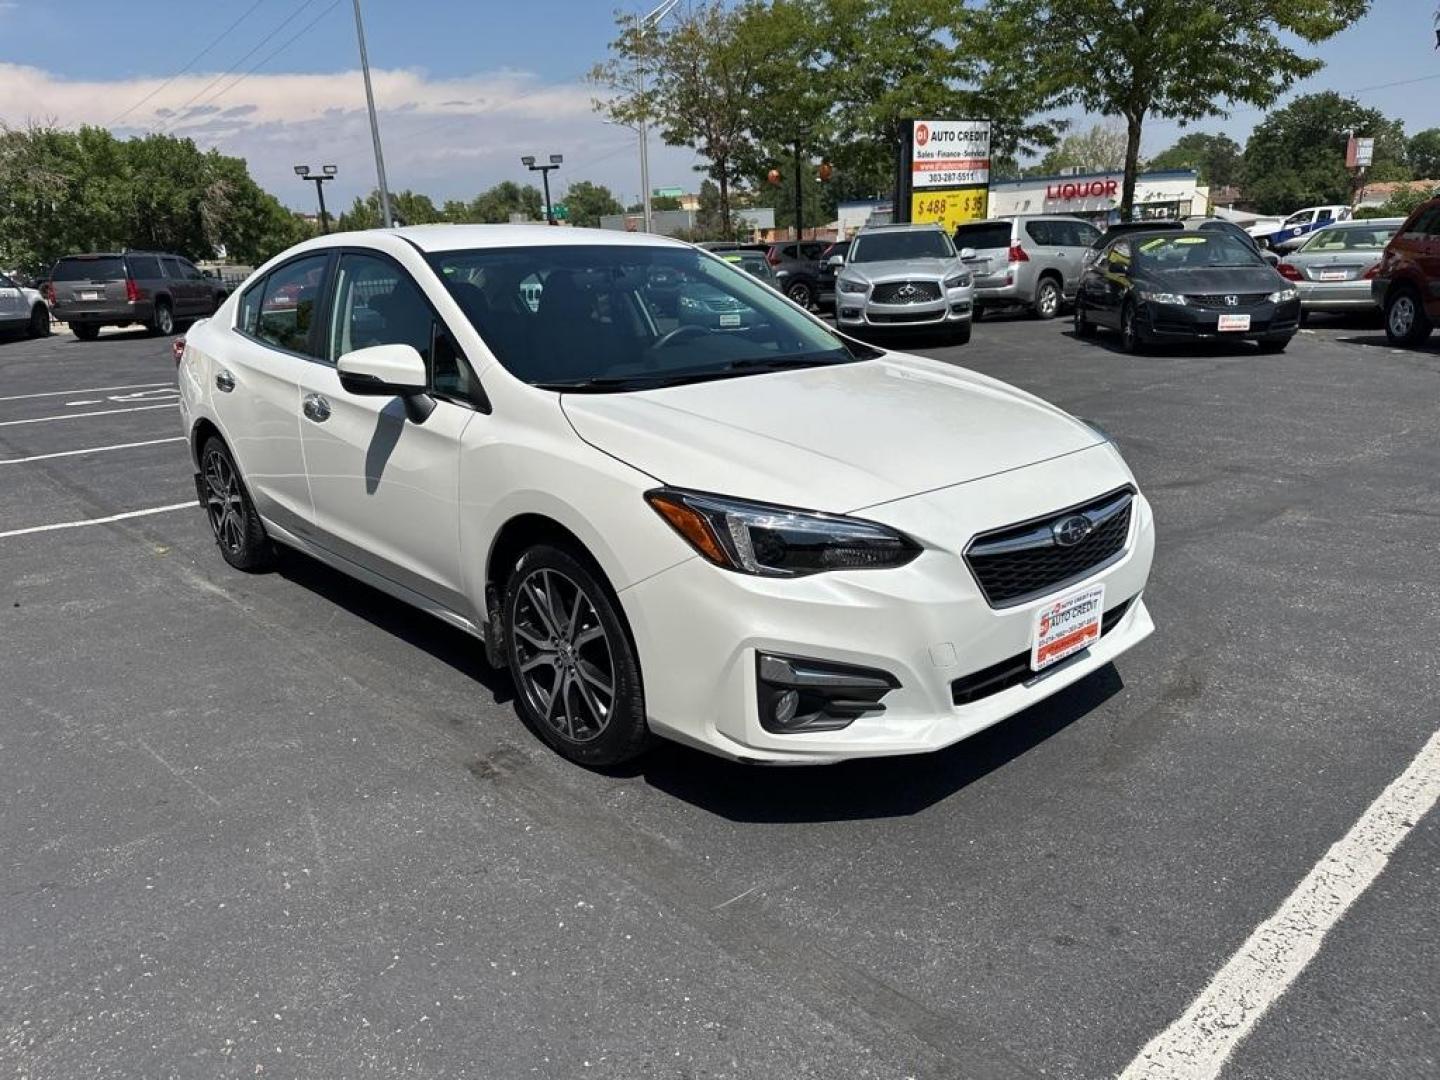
1185, 286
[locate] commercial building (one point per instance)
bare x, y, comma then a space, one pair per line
1096, 196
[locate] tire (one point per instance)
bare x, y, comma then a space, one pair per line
1273, 345
960, 334
566, 642
802, 293
162, 324
1047, 299
1130, 339
86, 331
1084, 328
39, 325
1405, 320
239, 532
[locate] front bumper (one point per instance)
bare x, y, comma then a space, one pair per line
854, 310
1190, 322
698, 628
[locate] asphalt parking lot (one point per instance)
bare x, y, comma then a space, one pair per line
280, 825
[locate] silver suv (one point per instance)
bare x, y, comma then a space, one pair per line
904, 277
1031, 261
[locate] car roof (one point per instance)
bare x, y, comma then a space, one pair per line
899, 226
453, 237
1362, 223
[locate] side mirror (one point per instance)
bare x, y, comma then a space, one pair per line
966, 254
837, 261
388, 371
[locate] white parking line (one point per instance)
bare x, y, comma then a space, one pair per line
82, 415
1196, 1046
100, 521
86, 390
90, 450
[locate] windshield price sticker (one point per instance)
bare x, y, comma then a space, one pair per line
1067, 625
949, 153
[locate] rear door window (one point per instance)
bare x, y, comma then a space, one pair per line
143, 267
983, 235
1044, 233
173, 268
101, 268
288, 304
1078, 233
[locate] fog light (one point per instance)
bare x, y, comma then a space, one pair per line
797, 694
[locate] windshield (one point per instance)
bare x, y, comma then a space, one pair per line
1372, 238
99, 268
1195, 249
604, 317
913, 244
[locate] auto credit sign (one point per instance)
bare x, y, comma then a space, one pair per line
949, 154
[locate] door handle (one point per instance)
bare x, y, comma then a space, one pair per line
224, 381
316, 408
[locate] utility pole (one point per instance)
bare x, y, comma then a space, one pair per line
544, 170
385, 215
327, 172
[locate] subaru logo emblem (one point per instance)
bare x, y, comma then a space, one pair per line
1232, 301
1071, 530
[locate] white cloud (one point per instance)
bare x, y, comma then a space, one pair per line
448, 137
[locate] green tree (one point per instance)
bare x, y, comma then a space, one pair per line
506, 198
1215, 157
1296, 156
1424, 154
1400, 203
588, 203
1100, 148
407, 207
1158, 58
659, 202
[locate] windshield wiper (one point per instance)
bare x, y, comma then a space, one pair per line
786, 363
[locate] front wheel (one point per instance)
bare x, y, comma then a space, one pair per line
1273, 345
960, 333
1405, 320
1130, 339
238, 530
39, 322
577, 680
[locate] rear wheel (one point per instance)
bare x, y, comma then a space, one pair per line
1405, 319
239, 532
163, 322
39, 322
86, 331
1047, 299
802, 292
577, 681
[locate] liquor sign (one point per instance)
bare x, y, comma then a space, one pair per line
1359, 153
945, 171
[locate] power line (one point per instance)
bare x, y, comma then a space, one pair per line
192, 62
180, 112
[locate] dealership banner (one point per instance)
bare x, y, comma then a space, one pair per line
946, 171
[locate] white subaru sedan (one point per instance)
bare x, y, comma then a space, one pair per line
667, 499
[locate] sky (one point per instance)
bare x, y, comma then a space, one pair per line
464, 87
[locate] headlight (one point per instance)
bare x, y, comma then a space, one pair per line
1163, 298
853, 286
774, 541
1279, 296
957, 281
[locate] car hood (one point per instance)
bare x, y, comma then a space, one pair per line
900, 269
1219, 279
836, 438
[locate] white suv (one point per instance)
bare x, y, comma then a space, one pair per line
745, 532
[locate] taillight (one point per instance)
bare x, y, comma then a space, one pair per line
1372, 273
1290, 273
132, 290
177, 350
1017, 253
772, 257
50, 293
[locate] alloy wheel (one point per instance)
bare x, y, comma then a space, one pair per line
565, 665
1049, 300
224, 504
164, 320
1402, 316
1127, 328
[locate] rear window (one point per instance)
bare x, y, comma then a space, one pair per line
144, 267
104, 268
984, 234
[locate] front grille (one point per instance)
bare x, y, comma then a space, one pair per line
906, 316
1016, 669
1221, 300
906, 292
1020, 562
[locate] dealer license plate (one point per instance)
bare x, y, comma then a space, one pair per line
1065, 626
732, 319
89, 294
1332, 275
1234, 322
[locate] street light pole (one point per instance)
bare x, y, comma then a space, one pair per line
327, 172
544, 170
642, 27
799, 195
385, 215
